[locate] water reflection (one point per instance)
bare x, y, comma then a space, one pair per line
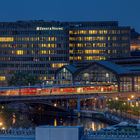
35, 120
20, 119
55, 122
59, 121
86, 122
13, 119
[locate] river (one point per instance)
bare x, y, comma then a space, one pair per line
8, 118
86, 122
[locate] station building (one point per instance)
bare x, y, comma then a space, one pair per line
41, 47
102, 76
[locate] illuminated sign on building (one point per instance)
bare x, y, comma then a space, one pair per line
48, 28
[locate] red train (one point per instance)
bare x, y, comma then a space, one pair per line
59, 90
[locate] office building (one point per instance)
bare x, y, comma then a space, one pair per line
41, 47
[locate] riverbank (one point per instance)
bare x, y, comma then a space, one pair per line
108, 117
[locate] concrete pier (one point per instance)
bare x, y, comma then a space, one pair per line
59, 133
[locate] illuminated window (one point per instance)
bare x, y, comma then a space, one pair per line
71, 58
19, 52
43, 52
6, 39
93, 32
79, 58
83, 32
2, 78
58, 65
49, 45
70, 32
71, 51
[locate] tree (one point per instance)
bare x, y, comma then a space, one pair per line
23, 79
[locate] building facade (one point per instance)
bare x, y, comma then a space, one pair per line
35, 47
135, 43
100, 76
98, 41
40, 47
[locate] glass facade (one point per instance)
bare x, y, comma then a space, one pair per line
96, 75
126, 83
100, 79
137, 83
64, 77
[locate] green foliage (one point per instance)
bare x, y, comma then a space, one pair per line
23, 79
124, 107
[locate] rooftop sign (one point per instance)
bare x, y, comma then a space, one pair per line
48, 28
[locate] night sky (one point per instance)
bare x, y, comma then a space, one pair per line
127, 12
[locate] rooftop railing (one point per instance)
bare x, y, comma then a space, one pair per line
17, 132
110, 134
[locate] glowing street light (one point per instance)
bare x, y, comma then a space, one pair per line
132, 96
3, 128
1, 123
124, 103
55, 105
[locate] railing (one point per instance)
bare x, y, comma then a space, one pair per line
120, 117
89, 134
17, 132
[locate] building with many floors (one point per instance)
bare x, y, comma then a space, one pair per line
41, 47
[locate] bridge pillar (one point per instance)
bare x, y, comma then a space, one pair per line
67, 104
133, 87
78, 106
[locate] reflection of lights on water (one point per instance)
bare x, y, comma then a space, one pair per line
61, 120
97, 126
2, 125
3, 128
55, 122
14, 119
93, 126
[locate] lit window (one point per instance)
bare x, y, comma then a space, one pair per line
58, 65
43, 52
2, 78
19, 52
6, 39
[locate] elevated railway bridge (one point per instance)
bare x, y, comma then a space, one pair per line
45, 94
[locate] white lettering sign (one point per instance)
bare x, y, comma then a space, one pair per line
48, 28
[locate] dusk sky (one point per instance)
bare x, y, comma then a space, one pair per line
127, 12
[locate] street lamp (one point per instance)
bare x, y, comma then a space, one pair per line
55, 105
132, 96
124, 103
